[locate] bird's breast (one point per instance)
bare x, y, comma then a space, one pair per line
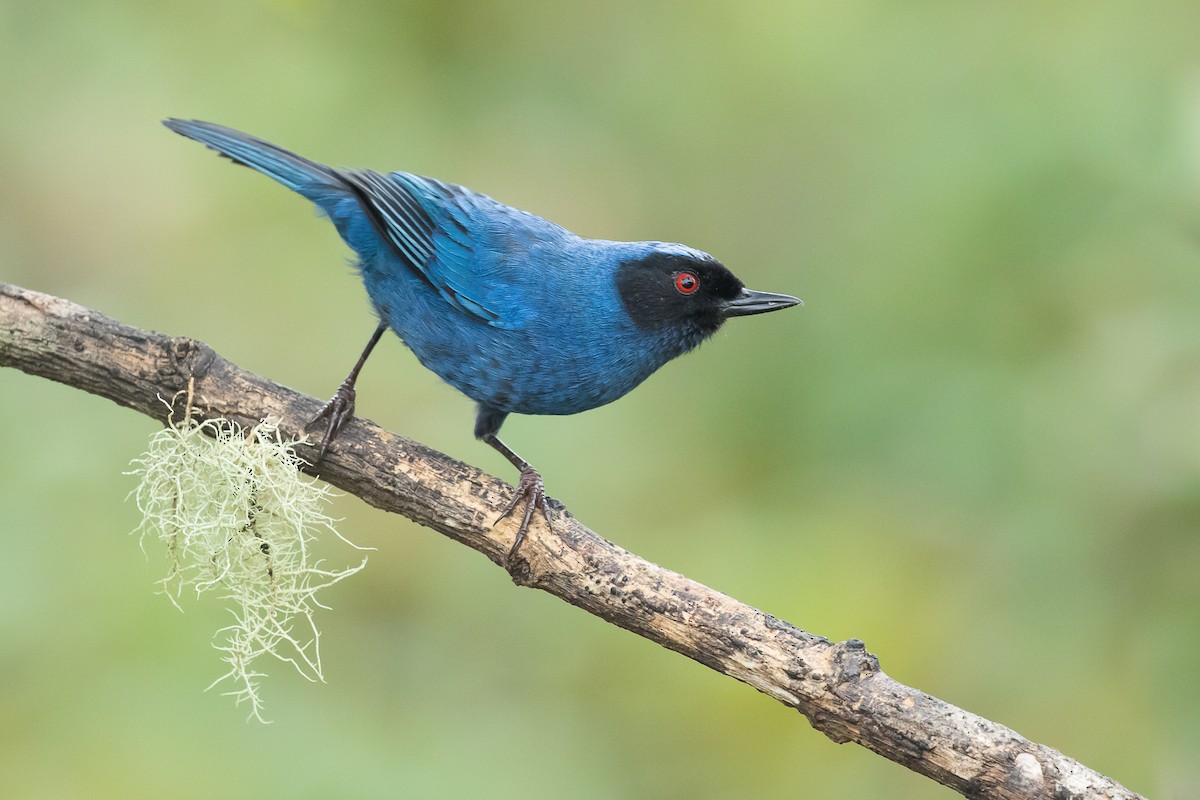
575, 348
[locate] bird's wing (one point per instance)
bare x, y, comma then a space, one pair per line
439, 246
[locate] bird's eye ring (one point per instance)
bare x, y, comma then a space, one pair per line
686, 282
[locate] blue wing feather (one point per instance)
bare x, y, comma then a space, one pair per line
400, 205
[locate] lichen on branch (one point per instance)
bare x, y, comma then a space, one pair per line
236, 517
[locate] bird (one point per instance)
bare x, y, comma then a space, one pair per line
516, 312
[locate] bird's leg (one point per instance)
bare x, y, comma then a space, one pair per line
340, 408
529, 488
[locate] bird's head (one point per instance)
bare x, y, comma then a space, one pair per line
681, 292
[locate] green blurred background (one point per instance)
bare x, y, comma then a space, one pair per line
977, 447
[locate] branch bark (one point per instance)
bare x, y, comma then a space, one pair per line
838, 686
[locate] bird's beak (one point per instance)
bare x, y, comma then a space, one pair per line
752, 302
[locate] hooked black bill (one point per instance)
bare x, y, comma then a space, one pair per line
751, 302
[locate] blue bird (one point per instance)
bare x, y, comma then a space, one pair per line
517, 313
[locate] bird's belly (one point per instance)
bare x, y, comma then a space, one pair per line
509, 372
559, 369
521, 373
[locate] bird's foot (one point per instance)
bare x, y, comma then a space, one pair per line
531, 490
333, 415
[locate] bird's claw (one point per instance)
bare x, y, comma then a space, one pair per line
334, 414
530, 489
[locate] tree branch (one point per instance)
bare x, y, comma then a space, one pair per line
838, 686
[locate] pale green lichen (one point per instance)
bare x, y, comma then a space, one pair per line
236, 517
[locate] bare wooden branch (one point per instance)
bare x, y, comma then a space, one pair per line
838, 686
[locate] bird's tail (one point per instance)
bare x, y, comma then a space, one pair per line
309, 178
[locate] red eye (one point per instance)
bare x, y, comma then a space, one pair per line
686, 282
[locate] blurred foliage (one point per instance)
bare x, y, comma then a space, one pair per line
976, 447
